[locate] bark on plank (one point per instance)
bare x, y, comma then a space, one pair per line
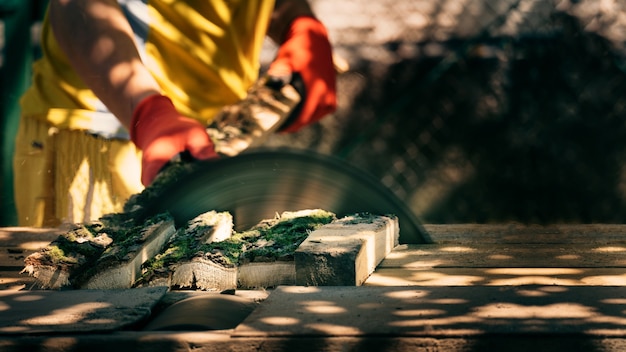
70, 259
127, 269
216, 269
175, 268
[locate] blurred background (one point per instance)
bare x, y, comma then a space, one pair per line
471, 111
482, 110
20, 23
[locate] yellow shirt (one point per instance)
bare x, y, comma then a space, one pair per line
203, 53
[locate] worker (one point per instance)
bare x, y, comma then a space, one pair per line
125, 85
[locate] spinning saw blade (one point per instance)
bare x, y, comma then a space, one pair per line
259, 184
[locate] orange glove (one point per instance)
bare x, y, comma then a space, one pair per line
162, 133
306, 52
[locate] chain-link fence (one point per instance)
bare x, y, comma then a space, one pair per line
483, 110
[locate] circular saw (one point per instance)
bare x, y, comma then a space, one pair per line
259, 184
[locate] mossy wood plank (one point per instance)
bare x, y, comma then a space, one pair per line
180, 264
261, 257
122, 272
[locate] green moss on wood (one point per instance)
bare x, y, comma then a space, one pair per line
269, 240
79, 249
168, 176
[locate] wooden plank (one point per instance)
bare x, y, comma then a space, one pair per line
13, 280
13, 256
506, 256
497, 277
82, 262
527, 233
346, 251
438, 311
266, 275
35, 312
113, 271
28, 237
204, 274
220, 341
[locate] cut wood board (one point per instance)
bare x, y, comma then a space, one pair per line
87, 257
204, 274
207, 269
264, 275
113, 272
346, 251
36, 312
198, 272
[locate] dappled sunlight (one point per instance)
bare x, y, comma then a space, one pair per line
432, 278
66, 316
500, 257
458, 249
503, 255
419, 312
323, 308
422, 278
30, 298
298, 289
417, 276
432, 311
605, 280
568, 257
532, 280
280, 321
433, 323
75, 310
609, 249
17, 297
519, 311
620, 301
332, 329
533, 271
604, 319
408, 294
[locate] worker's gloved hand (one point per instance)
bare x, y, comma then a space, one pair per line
162, 133
306, 55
